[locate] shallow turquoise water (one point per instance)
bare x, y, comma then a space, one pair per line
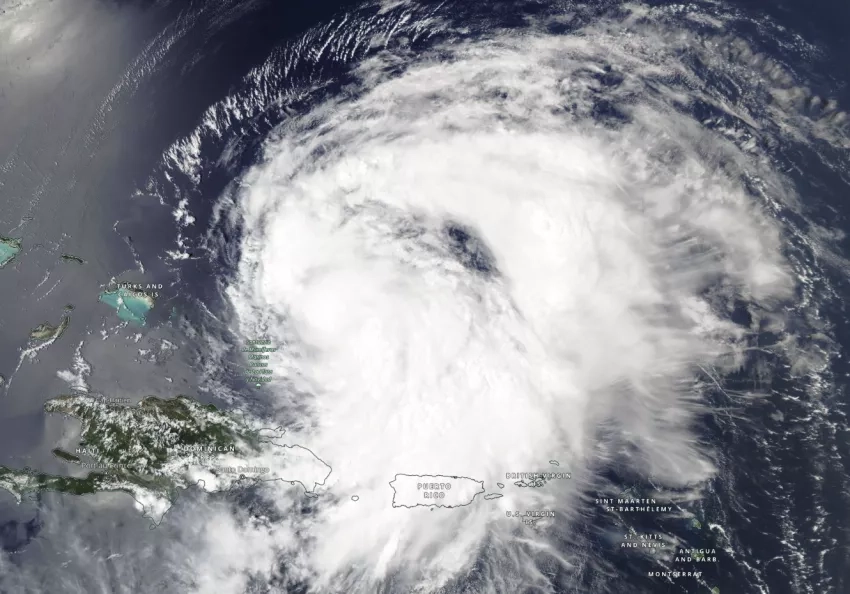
8, 250
130, 307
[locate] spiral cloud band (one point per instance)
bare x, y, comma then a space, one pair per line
501, 252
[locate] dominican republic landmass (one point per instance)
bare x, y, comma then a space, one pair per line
158, 447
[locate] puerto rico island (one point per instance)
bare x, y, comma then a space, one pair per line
160, 446
9, 248
434, 490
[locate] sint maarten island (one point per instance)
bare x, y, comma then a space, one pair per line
157, 448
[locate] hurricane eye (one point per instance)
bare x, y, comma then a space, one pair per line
469, 249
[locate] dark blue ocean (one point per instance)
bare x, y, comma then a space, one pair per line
83, 171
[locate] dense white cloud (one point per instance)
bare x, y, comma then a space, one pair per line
512, 248
515, 253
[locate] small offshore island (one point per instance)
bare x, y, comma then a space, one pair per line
48, 332
160, 446
9, 248
72, 258
131, 306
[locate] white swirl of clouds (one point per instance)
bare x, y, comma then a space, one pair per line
504, 251
514, 247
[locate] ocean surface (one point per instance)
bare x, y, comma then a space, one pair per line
130, 132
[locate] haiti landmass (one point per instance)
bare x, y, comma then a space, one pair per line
157, 448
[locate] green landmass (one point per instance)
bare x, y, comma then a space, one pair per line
18, 482
139, 439
47, 331
131, 306
73, 258
27, 481
9, 248
696, 523
154, 449
135, 448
